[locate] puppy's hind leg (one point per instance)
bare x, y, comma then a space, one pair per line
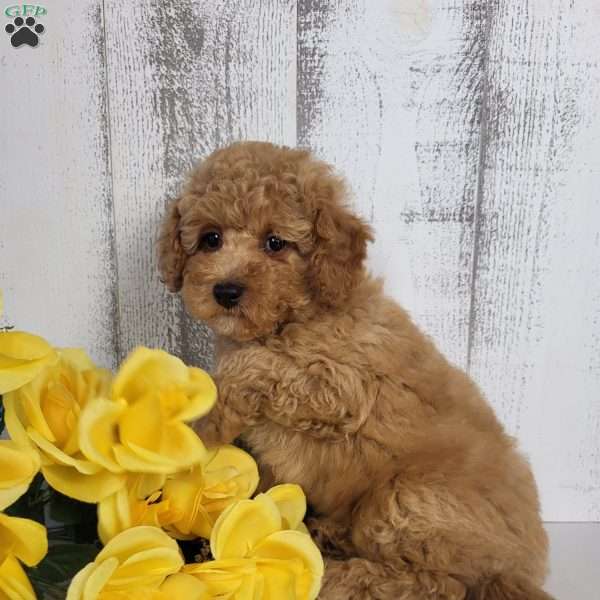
362, 579
427, 530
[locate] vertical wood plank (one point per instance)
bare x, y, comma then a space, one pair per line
184, 79
501, 264
388, 91
536, 329
56, 257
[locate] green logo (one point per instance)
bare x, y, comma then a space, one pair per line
25, 10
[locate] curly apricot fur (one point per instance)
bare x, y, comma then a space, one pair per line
418, 491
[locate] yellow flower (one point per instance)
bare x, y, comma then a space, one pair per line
198, 497
136, 503
18, 466
135, 561
259, 551
189, 502
20, 540
22, 357
142, 427
44, 414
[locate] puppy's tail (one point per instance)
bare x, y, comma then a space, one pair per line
502, 588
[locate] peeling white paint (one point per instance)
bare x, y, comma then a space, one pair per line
469, 133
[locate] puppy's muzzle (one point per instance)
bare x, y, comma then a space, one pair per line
228, 293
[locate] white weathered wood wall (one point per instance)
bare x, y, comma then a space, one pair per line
469, 130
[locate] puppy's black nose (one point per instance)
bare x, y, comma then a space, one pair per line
228, 294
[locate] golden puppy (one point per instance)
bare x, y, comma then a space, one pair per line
418, 491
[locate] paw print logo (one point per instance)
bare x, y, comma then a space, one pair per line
24, 32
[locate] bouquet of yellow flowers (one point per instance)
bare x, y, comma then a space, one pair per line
100, 460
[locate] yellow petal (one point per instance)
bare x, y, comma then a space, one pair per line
114, 515
156, 513
55, 455
30, 397
141, 424
75, 591
26, 539
143, 431
21, 412
26, 410
182, 445
137, 460
87, 488
140, 593
231, 578
242, 526
291, 502
23, 346
13, 424
134, 540
148, 567
146, 370
98, 431
295, 546
18, 466
15, 377
77, 358
60, 411
223, 458
181, 448
184, 493
7, 362
98, 578
14, 584
22, 357
10, 494
202, 393
225, 566
279, 581
184, 586
143, 485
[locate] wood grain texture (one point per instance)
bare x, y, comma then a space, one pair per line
535, 343
468, 131
56, 256
184, 79
388, 92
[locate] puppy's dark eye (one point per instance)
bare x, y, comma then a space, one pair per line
274, 244
211, 241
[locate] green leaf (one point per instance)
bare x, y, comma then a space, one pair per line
66, 520
71, 520
67, 511
48, 591
31, 504
63, 562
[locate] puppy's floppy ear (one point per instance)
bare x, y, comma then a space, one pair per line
171, 256
339, 239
